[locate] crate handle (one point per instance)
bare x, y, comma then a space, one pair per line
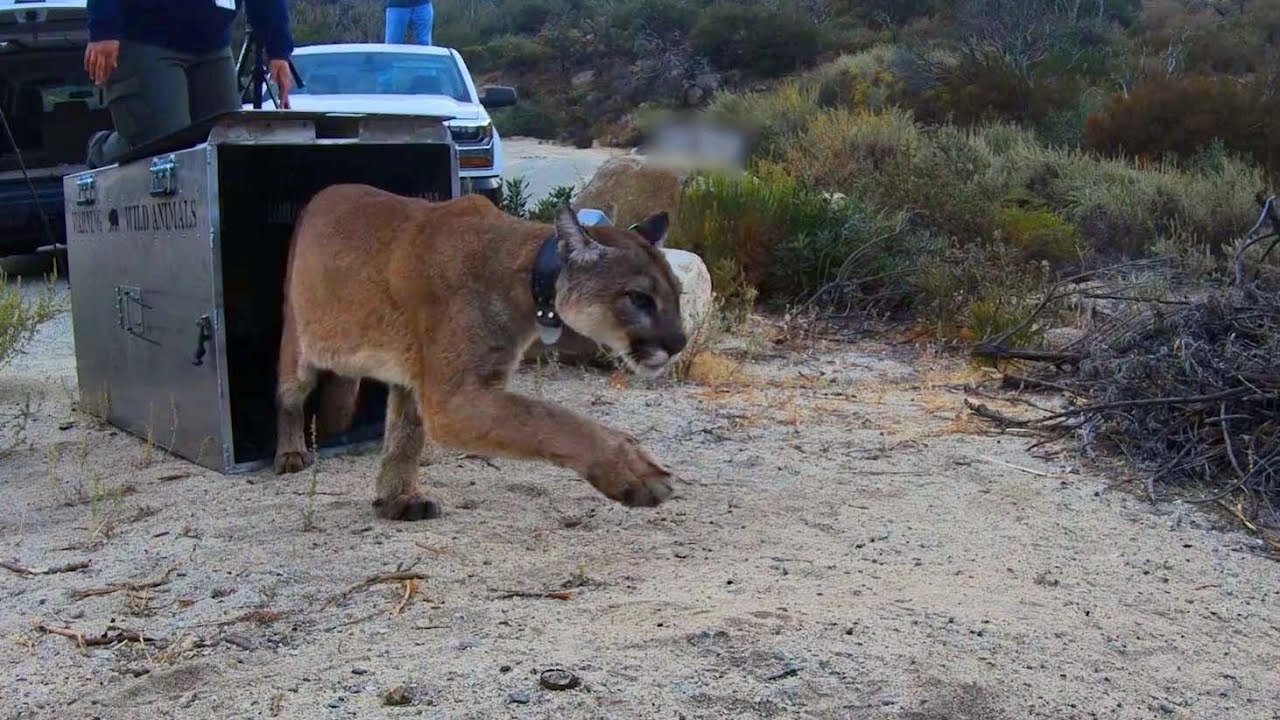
205, 329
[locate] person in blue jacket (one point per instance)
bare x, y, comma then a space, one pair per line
164, 64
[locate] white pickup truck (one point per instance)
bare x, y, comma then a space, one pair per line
408, 79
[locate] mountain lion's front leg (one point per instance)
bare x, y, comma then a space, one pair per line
400, 495
499, 423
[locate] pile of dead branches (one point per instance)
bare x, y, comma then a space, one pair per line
1184, 385
1188, 392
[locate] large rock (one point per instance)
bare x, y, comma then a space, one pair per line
630, 189
695, 309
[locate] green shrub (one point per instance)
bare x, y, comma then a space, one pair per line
1180, 117
975, 292
886, 160
509, 52
545, 209
772, 120
528, 16
1038, 236
864, 81
530, 118
978, 90
755, 39
515, 196
737, 222
661, 17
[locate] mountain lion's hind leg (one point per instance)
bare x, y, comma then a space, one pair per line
400, 495
295, 382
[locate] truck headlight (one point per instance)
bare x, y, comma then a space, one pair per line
471, 134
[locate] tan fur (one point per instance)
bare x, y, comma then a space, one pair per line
434, 300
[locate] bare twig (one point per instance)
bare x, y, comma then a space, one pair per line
1011, 466
122, 587
113, 636
393, 577
552, 595
31, 572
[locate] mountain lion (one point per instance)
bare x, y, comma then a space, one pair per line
439, 300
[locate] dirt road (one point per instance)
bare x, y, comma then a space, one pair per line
847, 545
546, 166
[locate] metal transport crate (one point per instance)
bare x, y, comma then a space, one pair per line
177, 260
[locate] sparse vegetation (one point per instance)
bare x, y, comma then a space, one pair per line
515, 200
21, 316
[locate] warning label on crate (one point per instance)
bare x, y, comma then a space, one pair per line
162, 215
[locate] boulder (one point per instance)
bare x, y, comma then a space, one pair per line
695, 309
629, 188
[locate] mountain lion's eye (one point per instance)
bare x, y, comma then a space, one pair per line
642, 301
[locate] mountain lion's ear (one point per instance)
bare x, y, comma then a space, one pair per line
654, 228
575, 245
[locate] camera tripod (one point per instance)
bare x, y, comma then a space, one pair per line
253, 48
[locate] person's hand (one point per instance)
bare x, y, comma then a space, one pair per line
283, 77
100, 60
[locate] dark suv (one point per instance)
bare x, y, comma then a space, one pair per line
51, 109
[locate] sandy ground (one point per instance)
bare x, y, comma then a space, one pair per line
844, 547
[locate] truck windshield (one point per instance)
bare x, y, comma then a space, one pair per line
380, 73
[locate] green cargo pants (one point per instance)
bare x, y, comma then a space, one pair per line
154, 92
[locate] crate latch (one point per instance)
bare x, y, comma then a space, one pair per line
164, 176
86, 190
129, 310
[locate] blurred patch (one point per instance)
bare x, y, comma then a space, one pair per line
694, 143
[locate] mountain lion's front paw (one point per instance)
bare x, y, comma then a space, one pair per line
631, 477
291, 462
408, 507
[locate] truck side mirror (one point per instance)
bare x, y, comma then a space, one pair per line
497, 96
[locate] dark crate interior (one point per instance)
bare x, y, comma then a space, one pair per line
261, 189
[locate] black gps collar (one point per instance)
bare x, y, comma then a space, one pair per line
546, 270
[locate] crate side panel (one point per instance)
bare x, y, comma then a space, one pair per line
142, 303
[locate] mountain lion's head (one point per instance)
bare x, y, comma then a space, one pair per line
616, 288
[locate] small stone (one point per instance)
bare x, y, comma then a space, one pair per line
519, 697
790, 670
335, 703
397, 696
1167, 709
558, 679
359, 671
504, 669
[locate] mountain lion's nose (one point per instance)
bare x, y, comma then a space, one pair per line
674, 343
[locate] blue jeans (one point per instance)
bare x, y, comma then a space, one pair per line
400, 19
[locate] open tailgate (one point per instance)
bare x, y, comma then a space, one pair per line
42, 24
